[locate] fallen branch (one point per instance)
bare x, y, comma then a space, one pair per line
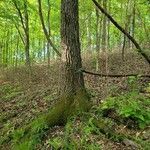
139, 49
114, 75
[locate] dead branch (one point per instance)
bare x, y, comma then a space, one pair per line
115, 75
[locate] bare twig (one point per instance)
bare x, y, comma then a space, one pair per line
114, 75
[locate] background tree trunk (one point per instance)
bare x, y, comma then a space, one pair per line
104, 41
127, 24
24, 18
45, 30
98, 37
49, 31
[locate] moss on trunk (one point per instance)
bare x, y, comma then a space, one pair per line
28, 136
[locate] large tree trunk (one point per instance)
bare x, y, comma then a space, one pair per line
71, 44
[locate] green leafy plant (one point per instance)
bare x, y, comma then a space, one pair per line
133, 83
132, 106
55, 143
77, 135
28, 136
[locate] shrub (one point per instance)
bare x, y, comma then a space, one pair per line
131, 105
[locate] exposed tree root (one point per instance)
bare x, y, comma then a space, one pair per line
28, 136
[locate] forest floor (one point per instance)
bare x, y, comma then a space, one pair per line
24, 98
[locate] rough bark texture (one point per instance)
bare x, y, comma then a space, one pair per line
98, 38
49, 30
27, 40
114, 75
104, 41
24, 18
45, 30
71, 44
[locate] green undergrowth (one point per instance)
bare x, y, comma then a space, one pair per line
9, 92
88, 130
29, 135
26, 138
130, 107
78, 134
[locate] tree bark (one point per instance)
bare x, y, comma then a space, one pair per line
98, 38
71, 44
89, 33
24, 18
27, 38
108, 28
127, 23
45, 30
139, 49
104, 41
113, 75
49, 31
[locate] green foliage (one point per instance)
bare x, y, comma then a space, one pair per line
132, 82
8, 92
77, 135
145, 144
132, 106
147, 89
56, 143
28, 136
10, 23
6, 132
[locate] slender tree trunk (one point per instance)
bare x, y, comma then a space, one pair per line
11, 54
27, 37
108, 26
89, 33
16, 54
49, 31
45, 30
98, 37
104, 40
133, 20
24, 18
127, 22
1, 53
144, 25
7, 49
44, 49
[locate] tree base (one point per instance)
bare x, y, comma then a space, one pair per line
68, 105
